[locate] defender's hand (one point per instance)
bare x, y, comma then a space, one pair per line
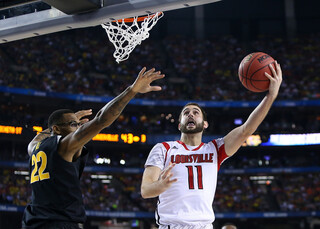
144, 79
83, 113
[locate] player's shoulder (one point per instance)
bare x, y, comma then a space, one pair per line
216, 142
167, 145
50, 141
44, 144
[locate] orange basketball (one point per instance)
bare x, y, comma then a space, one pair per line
251, 71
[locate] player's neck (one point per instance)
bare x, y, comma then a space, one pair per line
191, 139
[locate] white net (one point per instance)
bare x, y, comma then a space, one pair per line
125, 36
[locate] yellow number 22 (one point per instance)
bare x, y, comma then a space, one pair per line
41, 156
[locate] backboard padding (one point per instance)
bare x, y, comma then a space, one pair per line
53, 20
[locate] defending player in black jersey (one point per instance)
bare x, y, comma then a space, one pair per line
58, 156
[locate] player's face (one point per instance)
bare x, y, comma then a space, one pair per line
191, 120
70, 124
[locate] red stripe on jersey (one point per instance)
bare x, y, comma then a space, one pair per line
199, 171
190, 177
184, 145
198, 146
221, 153
166, 145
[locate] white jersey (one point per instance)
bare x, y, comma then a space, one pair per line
189, 200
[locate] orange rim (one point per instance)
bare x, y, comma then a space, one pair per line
139, 19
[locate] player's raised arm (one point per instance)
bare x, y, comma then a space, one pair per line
110, 112
237, 136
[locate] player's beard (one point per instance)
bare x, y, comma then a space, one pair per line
199, 128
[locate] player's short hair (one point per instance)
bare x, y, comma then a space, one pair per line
204, 114
57, 116
229, 226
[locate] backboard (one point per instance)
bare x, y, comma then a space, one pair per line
50, 19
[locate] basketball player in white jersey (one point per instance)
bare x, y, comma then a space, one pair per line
183, 174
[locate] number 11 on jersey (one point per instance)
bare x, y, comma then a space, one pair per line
191, 176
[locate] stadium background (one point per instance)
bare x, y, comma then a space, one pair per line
264, 185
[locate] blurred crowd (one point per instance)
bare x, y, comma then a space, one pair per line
288, 192
81, 62
235, 193
134, 156
164, 120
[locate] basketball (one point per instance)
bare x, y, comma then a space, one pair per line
251, 71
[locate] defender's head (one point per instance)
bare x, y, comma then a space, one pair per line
63, 122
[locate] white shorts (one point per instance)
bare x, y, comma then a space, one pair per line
209, 226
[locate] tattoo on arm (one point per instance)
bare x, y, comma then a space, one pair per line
113, 109
104, 118
38, 138
42, 135
119, 105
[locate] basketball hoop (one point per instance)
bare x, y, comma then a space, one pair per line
126, 34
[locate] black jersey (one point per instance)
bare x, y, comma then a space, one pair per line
56, 192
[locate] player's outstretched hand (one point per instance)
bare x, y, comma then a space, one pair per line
165, 180
144, 79
275, 79
83, 113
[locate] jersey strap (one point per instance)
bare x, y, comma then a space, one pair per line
221, 153
166, 145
